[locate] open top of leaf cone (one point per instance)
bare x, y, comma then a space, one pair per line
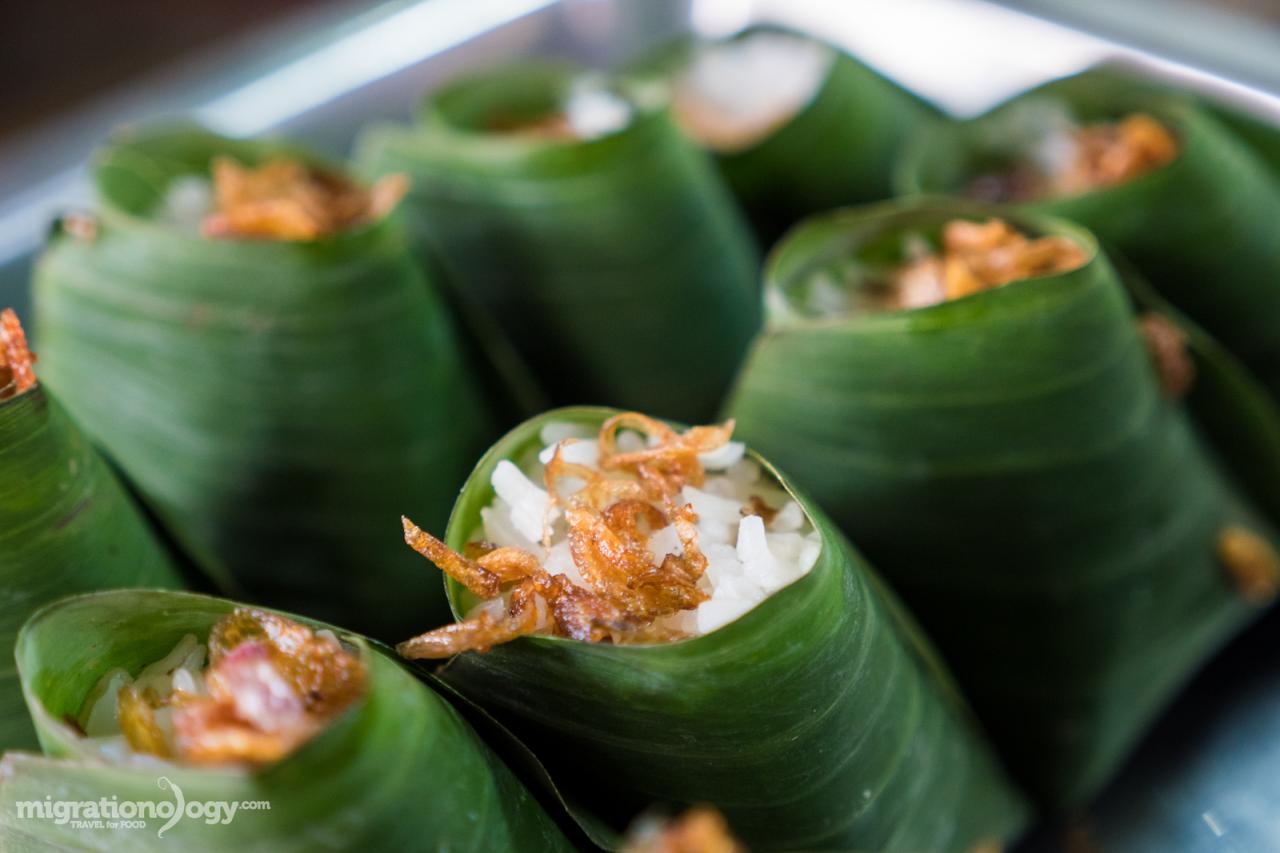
521, 445
670, 63
851, 249
398, 767
498, 120
181, 177
948, 160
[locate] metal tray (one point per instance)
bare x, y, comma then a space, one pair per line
1208, 777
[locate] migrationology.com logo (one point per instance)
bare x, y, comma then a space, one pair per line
113, 813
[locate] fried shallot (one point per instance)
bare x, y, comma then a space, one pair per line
1111, 153
16, 375
284, 199
271, 685
610, 515
978, 256
1097, 155
1250, 562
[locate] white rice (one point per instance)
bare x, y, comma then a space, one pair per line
747, 561
181, 669
592, 110
187, 201
735, 92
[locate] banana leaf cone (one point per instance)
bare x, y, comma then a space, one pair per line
66, 524
1198, 228
1012, 463
832, 146
611, 255
819, 720
277, 402
399, 769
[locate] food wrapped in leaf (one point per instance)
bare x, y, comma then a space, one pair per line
247, 334
1154, 175
666, 621
973, 400
66, 524
192, 723
796, 125
601, 241
1248, 122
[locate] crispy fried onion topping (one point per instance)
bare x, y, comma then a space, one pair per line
1166, 346
271, 685
284, 199
1250, 562
1090, 157
978, 256
1111, 153
610, 515
16, 360
701, 829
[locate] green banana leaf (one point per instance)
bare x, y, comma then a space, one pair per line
618, 265
1200, 229
1234, 410
1010, 463
278, 404
839, 149
400, 770
66, 526
819, 720
1262, 136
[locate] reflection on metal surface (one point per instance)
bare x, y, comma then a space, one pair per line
966, 55
364, 56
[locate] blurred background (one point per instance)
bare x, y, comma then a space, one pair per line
70, 72
60, 54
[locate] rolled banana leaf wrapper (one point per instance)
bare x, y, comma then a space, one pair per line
1233, 409
66, 524
1015, 464
785, 685
266, 363
1259, 134
796, 125
1154, 174
385, 763
604, 245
